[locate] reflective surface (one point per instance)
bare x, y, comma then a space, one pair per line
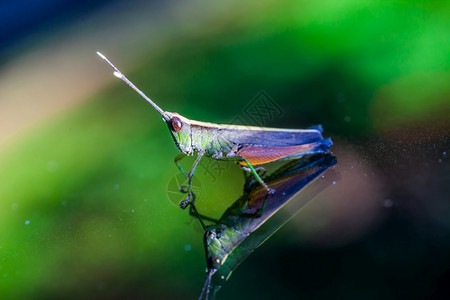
257, 214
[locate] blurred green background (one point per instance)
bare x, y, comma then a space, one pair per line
86, 165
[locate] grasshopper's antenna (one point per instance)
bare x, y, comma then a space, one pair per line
207, 284
119, 75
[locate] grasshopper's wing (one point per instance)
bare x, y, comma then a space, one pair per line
263, 145
269, 137
262, 155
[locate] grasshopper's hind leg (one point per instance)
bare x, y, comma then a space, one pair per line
249, 178
255, 173
260, 212
261, 170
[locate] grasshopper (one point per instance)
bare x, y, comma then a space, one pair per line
249, 146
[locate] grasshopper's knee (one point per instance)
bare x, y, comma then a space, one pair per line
260, 170
270, 190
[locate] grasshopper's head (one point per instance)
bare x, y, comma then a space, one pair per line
215, 255
180, 128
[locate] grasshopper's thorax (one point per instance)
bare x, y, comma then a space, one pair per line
180, 128
203, 137
206, 138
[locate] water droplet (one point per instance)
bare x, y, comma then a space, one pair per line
284, 194
187, 247
132, 210
27, 222
334, 182
222, 277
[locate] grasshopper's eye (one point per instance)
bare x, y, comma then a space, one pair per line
176, 124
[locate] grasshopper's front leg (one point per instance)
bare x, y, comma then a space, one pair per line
185, 202
176, 161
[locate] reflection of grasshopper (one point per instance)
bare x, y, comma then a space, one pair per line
239, 231
247, 145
